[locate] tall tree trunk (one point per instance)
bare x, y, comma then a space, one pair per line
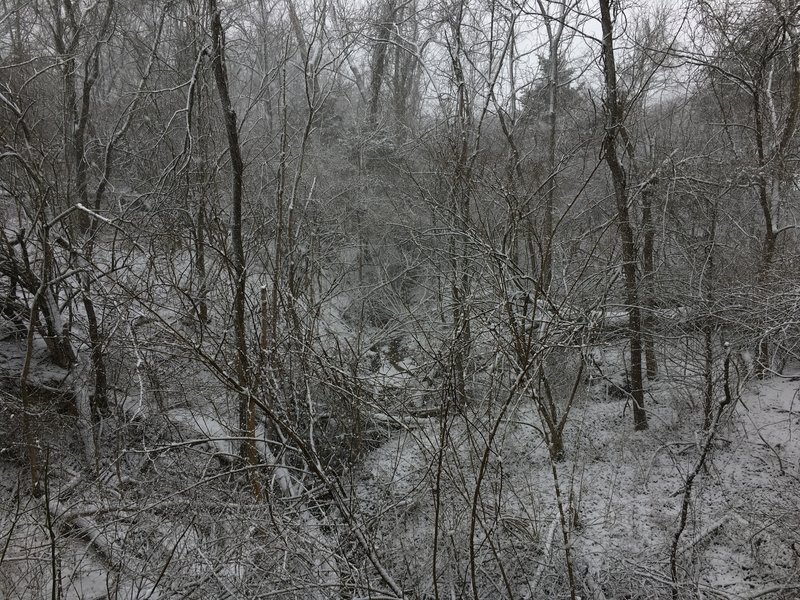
460, 214
247, 417
555, 28
198, 181
768, 246
708, 297
771, 157
405, 67
200, 261
648, 280
31, 440
379, 61
78, 110
99, 403
310, 70
614, 116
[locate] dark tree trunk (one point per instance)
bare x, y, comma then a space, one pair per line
77, 113
554, 32
200, 262
768, 247
708, 395
614, 115
708, 293
648, 279
379, 61
100, 399
460, 192
247, 417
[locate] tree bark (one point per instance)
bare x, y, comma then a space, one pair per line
555, 28
648, 279
247, 418
614, 116
708, 293
405, 69
379, 62
460, 215
77, 111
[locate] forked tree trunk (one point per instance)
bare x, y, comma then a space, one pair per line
77, 114
772, 157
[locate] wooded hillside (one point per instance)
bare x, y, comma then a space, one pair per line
405, 299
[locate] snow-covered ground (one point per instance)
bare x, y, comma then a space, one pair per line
165, 518
624, 491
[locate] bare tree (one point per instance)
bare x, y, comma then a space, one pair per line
614, 112
247, 405
554, 25
753, 53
